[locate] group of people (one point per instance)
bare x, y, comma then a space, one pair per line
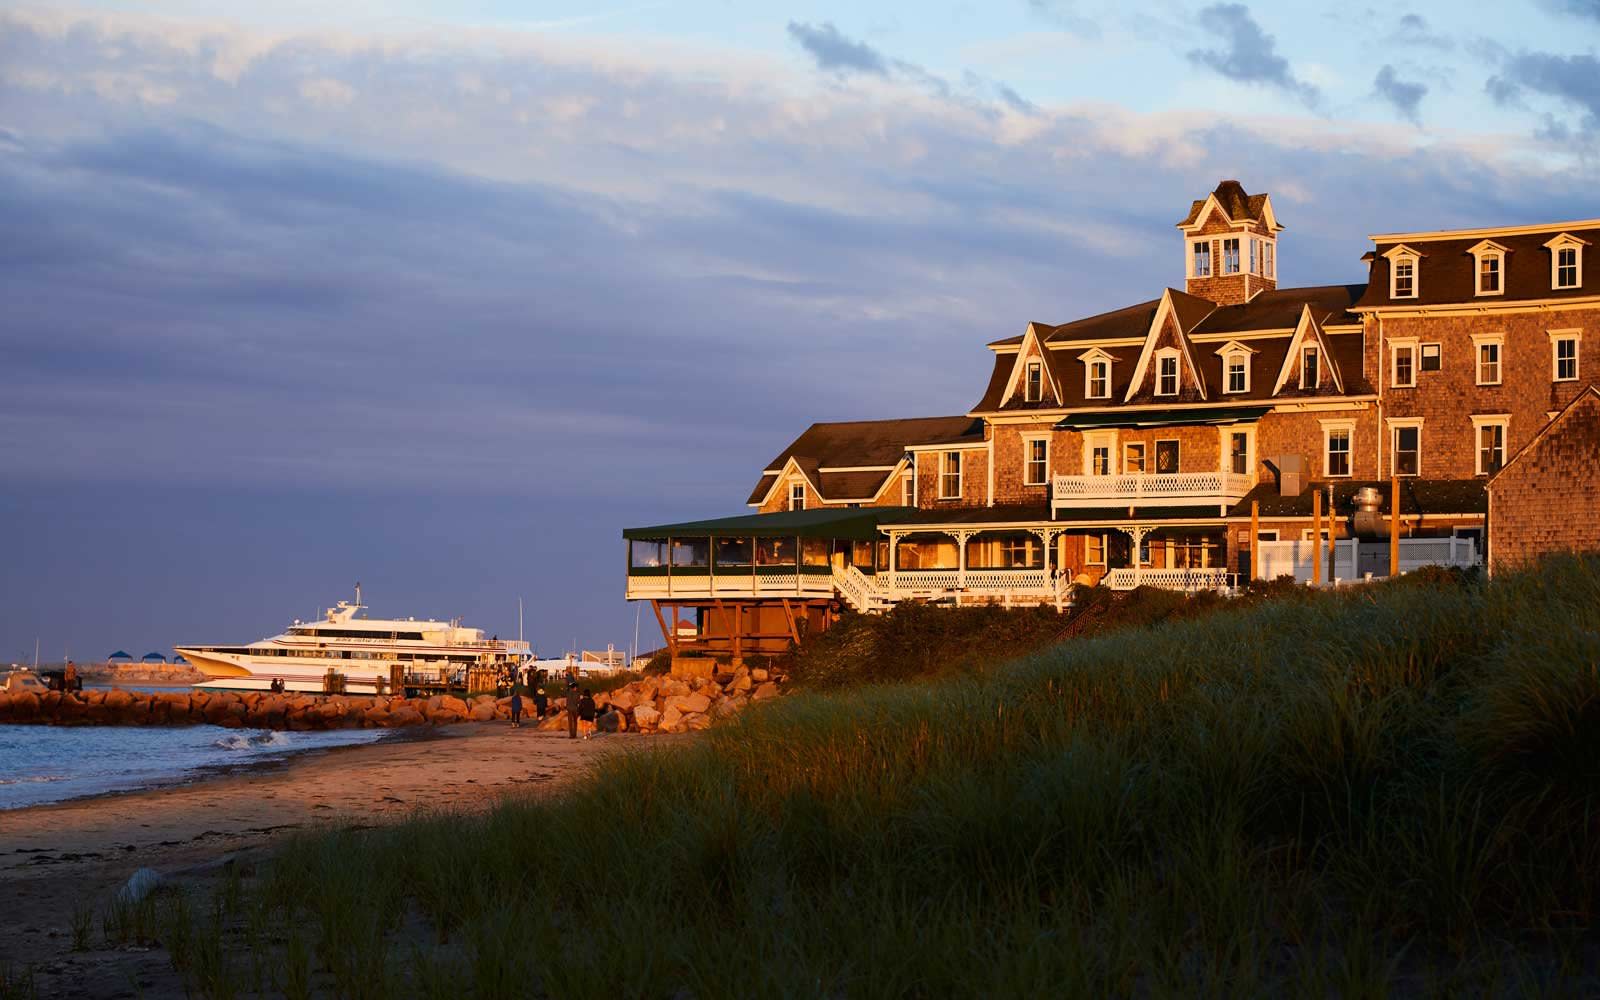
582, 723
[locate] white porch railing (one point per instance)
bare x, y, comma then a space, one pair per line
1127, 578
1149, 488
729, 584
858, 589
1353, 558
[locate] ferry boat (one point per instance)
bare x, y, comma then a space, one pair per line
367, 654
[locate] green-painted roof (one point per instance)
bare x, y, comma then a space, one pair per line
824, 522
1176, 417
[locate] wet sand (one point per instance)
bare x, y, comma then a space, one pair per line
52, 857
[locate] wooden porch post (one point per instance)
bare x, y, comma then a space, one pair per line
794, 630
672, 640
1255, 540
1316, 537
1394, 525
1333, 551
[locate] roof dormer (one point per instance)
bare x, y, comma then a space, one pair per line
1097, 373
1489, 267
1566, 262
1404, 267
1230, 245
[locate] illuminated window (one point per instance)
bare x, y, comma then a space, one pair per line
1230, 256
1035, 388
1167, 374
1336, 449
950, 475
1036, 461
1564, 356
1202, 259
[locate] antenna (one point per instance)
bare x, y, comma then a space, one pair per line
519, 619
358, 593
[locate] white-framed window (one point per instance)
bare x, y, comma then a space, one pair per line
1403, 276
1405, 452
1097, 447
1035, 461
1338, 443
1564, 355
1201, 259
1431, 357
1097, 379
797, 496
1489, 266
1271, 268
1236, 451
1566, 268
1403, 362
1310, 368
1133, 458
1094, 548
1033, 390
1486, 348
1236, 371
949, 475
1489, 442
1167, 372
908, 488
1230, 255
1255, 255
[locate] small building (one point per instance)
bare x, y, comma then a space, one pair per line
1547, 498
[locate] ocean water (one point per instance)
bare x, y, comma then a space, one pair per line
41, 764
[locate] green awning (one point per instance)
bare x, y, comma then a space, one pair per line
828, 522
1176, 417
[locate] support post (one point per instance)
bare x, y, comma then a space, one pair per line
1255, 540
1316, 537
1394, 526
794, 630
961, 559
672, 640
1333, 552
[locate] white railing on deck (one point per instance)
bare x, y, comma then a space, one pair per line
858, 589
1354, 558
1149, 487
1127, 578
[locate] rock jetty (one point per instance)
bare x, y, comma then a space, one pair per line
652, 704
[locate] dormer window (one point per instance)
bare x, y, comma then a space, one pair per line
1230, 256
1167, 373
797, 496
1034, 391
1202, 259
1235, 366
1310, 372
1489, 265
1566, 262
1096, 374
1403, 262
1271, 265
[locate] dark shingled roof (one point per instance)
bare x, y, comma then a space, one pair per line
1280, 310
818, 522
1445, 274
1417, 496
1231, 196
855, 443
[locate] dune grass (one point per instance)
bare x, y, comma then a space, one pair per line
1388, 790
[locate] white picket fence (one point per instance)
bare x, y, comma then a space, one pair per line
1353, 559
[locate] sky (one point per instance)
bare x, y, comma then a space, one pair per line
441, 297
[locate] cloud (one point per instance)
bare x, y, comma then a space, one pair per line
1405, 96
1248, 55
1066, 14
327, 93
1586, 9
835, 52
1413, 29
1572, 81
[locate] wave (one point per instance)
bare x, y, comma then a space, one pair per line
34, 779
252, 741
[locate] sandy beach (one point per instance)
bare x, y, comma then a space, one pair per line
56, 857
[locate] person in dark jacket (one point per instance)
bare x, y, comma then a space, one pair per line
516, 706
572, 706
541, 704
586, 714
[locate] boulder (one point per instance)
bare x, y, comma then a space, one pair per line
118, 699
696, 720
729, 706
484, 711
24, 704
671, 720
406, 715
689, 703
765, 691
741, 683
625, 698
673, 687
447, 702
554, 722
759, 675
646, 717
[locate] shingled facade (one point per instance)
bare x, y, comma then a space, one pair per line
1145, 437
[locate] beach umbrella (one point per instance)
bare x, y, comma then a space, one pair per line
118, 655
153, 657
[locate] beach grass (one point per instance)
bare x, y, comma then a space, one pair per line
1383, 790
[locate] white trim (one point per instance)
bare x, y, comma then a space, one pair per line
1225, 453
1328, 429
1090, 358
1164, 312
1163, 355
858, 468
1566, 241
1097, 439
1488, 250
1222, 245
1462, 234
1227, 352
1481, 420
801, 486
1018, 369
1395, 425
1556, 336
1396, 345
1422, 355
965, 446
961, 473
1144, 458
1297, 344
1032, 393
1027, 458
1395, 255
1479, 342
909, 478
1190, 243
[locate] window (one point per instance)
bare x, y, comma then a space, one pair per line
1239, 453
1166, 456
1035, 387
1097, 452
1202, 259
1133, 458
1237, 366
1167, 374
1094, 549
1566, 267
1488, 351
950, 475
908, 488
1407, 450
1036, 461
1405, 366
1489, 264
1255, 255
1491, 443
1564, 355
1430, 357
797, 496
1271, 268
1336, 449
1098, 385
1403, 277
1310, 374
1230, 256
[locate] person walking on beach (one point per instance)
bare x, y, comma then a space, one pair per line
516, 706
572, 705
541, 704
586, 713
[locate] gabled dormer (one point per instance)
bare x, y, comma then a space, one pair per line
1566, 262
1098, 374
1230, 245
1308, 368
1034, 381
1166, 370
1488, 267
1237, 358
1405, 271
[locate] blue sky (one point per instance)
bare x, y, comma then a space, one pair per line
441, 297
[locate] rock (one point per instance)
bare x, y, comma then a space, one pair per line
697, 720
139, 885
759, 675
740, 684
483, 699
689, 703
672, 687
376, 717
118, 699
554, 722
484, 711
646, 717
729, 706
671, 719
624, 698
406, 715
765, 691
445, 701
24, 704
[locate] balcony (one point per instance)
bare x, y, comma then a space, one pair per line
1170, 489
